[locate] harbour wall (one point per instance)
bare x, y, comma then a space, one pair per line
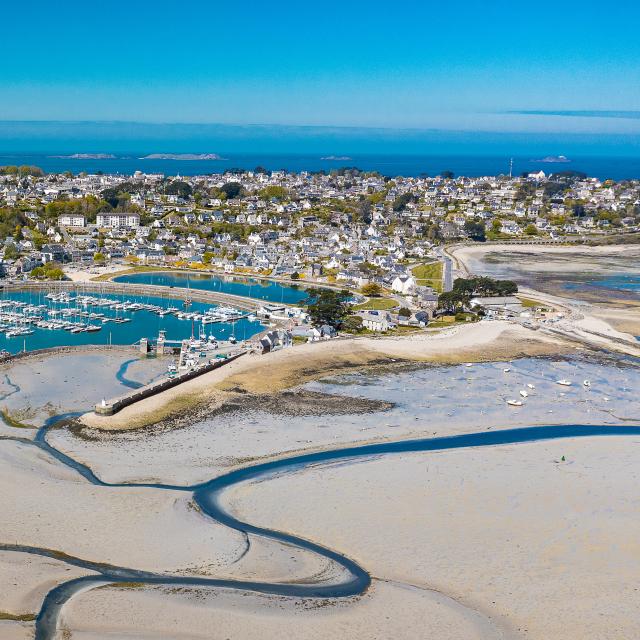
114, 405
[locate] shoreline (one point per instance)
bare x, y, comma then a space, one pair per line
288, 368
612, 324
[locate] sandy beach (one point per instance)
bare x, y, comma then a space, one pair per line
605, 318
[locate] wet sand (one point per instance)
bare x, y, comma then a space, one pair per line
40, 386
407, 517
544, 549
287, 368
418, 404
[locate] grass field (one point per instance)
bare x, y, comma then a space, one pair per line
376, 304
429, 275
527, 302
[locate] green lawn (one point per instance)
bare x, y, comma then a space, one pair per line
376, 304
527, 302
429, 275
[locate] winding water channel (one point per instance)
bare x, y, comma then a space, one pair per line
207, 497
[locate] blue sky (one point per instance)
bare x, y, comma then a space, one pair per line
465, 65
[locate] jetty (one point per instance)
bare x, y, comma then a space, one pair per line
112, 406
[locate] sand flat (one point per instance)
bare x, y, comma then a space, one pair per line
548, 548
387, 610
212, 444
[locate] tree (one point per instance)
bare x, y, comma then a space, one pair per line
49, 271
364, 210
328, 306
449, 301
274, 192
401, 202
371, 289
404, 312
531, 230
475, 230
352, 324
98, 257
483, 286
295, 276
207, 256
179, 188
579, 211
11, 252
231, 189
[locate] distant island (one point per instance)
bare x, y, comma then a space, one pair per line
88, 156
182, 156
553, 159
336, 158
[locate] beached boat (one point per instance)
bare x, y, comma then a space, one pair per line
514, 403
564, 382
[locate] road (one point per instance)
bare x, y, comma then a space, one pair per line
447, 274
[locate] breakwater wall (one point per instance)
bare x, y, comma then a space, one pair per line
128, 289
110, 407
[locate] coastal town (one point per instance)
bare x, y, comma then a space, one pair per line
319, 322
356, 230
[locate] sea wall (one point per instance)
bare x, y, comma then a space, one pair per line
110, 407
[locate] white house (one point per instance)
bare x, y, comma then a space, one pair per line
118, 220
404, 284
71, 220
377, 321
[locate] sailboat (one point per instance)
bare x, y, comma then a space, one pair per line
187, 300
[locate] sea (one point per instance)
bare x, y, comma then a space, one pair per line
387, 164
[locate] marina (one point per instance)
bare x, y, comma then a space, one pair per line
40, 319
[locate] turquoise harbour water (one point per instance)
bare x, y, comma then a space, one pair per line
143, 324
247, 287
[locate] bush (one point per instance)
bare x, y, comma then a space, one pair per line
372, 289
